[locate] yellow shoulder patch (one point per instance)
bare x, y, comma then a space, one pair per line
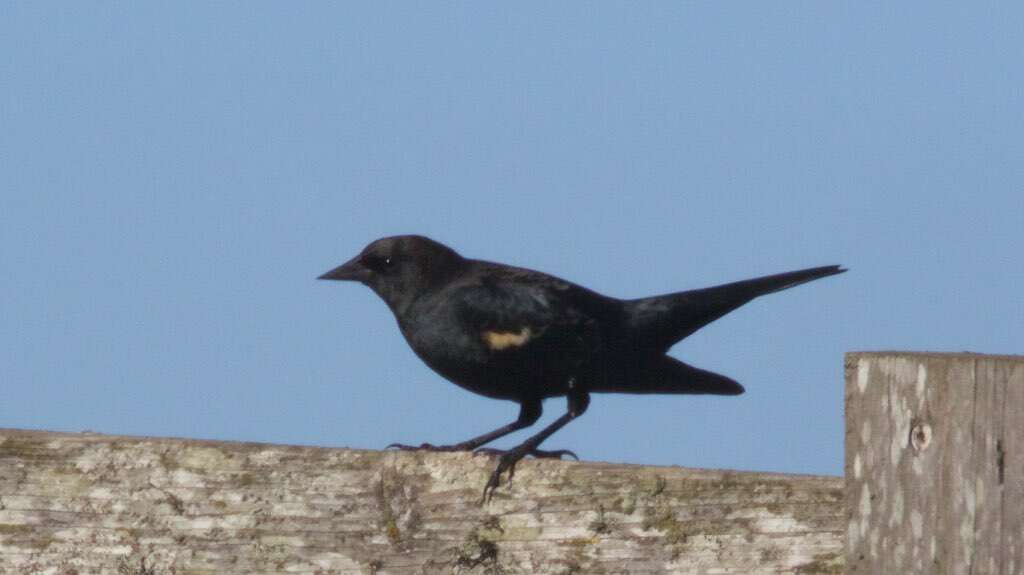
499, 340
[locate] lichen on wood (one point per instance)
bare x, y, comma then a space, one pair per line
88, 503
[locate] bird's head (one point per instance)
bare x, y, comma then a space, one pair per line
399, 268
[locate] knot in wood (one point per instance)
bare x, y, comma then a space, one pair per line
920, 436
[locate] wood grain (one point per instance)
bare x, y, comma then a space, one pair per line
934, 463
86, 503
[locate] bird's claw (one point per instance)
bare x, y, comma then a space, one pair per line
554, 454
425, 447
538, 453
507, 461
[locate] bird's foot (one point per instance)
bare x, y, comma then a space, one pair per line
430, 447
507, 460
538, 453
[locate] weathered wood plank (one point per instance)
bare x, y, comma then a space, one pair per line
85, 503
1011, 473
934, 463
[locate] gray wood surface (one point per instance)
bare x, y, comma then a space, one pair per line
935, 463
86, 503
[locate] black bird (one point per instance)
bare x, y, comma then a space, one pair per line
522, 335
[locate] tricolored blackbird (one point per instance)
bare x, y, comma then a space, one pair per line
522, 335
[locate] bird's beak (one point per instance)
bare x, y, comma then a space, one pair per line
351, 270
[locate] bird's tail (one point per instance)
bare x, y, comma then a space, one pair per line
661, 321
669, 375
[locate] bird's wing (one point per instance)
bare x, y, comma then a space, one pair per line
515, 309
671, 376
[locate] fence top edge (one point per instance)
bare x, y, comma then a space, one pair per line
951, 355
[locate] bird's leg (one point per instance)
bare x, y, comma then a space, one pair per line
529, 412
578, 402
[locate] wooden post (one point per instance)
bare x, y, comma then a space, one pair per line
935, 463
85, 503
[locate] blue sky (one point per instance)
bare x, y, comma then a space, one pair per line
175, 176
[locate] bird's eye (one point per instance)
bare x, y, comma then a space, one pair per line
378, 263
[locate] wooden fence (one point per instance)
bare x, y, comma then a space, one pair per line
935, 464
